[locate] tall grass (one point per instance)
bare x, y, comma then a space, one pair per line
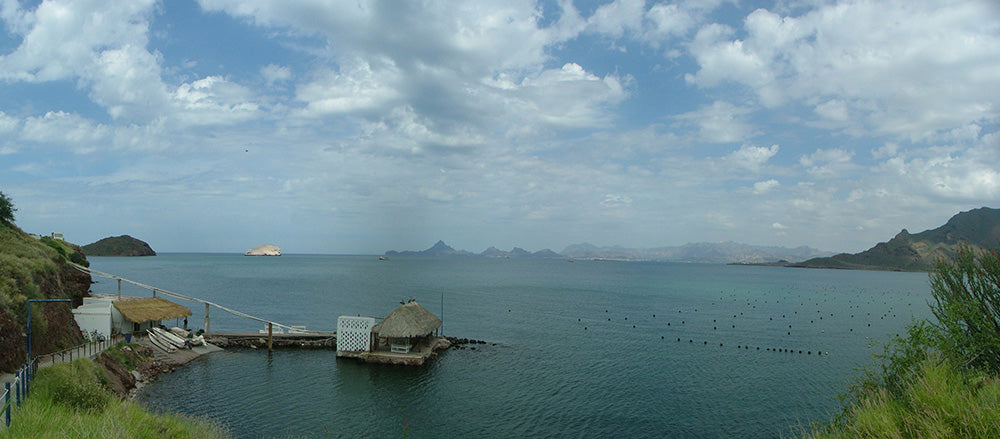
68, 400
942, 402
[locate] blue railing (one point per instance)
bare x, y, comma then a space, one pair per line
16, 391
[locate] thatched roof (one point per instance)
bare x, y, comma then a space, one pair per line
144, 309
409, 320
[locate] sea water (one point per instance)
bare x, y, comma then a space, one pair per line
574, 349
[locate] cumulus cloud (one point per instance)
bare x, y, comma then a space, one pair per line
274, 73
886, 67
828, 163
720, 122
763, 187
751, 157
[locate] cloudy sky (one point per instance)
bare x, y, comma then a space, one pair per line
358, 127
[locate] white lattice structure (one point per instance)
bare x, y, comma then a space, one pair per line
354, 334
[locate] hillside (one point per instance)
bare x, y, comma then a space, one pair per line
124, 245
920, 252
37, 269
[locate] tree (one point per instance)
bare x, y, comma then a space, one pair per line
966, 293
7, 209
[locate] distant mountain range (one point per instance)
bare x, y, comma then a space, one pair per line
725, 252
703, 252
440, 249
980, 228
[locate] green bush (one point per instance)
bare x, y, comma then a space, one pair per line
75, 385
7, 209
966, 304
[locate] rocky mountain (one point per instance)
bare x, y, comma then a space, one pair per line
124, 245
704, 252
440, 249
979, 228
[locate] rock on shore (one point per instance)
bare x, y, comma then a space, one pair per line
264, 250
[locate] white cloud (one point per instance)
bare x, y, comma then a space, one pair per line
356, 88
752, 157
886, 67
763, 187
778, 226
214, 100
828, 163
101, 44
721, 122
274, 73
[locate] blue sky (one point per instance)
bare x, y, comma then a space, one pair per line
358, 127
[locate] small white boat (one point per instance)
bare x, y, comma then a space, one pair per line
164, 346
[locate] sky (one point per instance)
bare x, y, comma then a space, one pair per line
356, 127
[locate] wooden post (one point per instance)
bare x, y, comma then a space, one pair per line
269, 329
119, 288
206, 317
154, 292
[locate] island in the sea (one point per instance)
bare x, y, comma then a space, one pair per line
264, 250
124, 245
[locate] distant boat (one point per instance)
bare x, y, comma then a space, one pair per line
383, 258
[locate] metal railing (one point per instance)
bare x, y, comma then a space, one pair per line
18, 389
88, 350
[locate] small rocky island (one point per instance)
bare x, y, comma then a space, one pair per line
124, 245
264, 250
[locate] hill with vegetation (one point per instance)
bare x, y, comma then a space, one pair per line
124, 245
979, 228
32, 268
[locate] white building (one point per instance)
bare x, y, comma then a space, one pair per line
107, 315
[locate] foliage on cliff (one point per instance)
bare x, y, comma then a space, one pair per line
979, 228
33, 268
124, 245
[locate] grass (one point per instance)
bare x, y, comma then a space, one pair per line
68, 400
940, 401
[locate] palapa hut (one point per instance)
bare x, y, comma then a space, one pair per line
147, 312
406, 327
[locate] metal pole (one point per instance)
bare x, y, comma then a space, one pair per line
30, 301
269, 329
119, 288
206, 317
6, 386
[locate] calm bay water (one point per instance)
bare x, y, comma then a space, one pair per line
583, 349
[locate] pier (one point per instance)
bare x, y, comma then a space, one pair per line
408, 336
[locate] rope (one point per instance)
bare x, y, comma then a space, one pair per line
193, 299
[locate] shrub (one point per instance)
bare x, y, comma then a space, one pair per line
7, 209
75, 385
966, 304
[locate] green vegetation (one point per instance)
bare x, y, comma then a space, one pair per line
124, 245
7, 210
941, 380
33, 268
69, 400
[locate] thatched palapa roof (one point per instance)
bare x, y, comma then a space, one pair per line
409, 320
144, 309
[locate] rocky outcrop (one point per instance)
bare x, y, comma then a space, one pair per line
264, 250
124, 245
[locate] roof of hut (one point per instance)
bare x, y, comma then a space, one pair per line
409, 320
144, 309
